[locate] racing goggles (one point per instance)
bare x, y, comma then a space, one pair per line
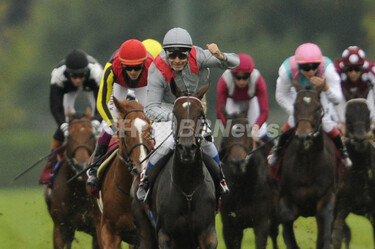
131, 68
356, 68
243, 76
77, 75
182, 54
308, 66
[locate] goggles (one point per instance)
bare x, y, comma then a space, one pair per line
77, 75
131, 68
308, 66
241, 76
356, 68
176, 53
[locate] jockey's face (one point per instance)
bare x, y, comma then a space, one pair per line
133, 71
177, 58
308, 69
241, 79
354, 73
77, 81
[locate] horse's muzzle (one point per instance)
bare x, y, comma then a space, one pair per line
305, 141
187, 152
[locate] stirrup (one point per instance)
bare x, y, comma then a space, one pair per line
93, 180
142, 193
272, 159
224, 187
347, 163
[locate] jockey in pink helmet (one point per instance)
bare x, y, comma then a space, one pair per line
308, 66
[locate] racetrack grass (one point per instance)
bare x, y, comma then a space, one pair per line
25, 223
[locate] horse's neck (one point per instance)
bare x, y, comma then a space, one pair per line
188, 176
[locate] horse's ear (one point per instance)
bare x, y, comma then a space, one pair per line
69, 114
175, 89
245, 111
224, 111
201, 92
88, 112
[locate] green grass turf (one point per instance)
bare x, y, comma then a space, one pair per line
25, 223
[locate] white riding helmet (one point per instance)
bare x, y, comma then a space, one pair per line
177, 38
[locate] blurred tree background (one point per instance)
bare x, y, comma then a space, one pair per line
36, 35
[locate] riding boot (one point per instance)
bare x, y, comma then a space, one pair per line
45, 177
222, 150
150, 175
276, 150
100, 150
343, 151
217, 175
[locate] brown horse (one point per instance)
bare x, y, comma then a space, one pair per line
250, 203
69, 205
135, 142
182, 212
308, 172
357, 188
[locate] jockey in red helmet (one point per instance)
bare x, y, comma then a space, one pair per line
128, 68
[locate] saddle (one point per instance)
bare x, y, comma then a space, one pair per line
110, 156
276, 169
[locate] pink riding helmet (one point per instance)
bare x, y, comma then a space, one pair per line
308, 53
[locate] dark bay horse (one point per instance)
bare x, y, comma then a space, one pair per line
357, 188
251, 201
183, 204
308, 172
135, 142
69, 205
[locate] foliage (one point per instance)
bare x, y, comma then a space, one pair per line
34, 39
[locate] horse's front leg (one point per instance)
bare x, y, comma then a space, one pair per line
324, 219
62, 236
208, 240
261, 231
109, 238
287, 218
164, 240
338, 227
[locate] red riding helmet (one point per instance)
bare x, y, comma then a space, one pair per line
246, 64
353, 55
132, 52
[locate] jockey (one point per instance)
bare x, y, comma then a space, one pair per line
189, 66
127, 69
308, 66
244, 88
153, 47
357, 75
77, 72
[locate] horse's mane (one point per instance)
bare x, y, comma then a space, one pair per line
78, 115
128, 105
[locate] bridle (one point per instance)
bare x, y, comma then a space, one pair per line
70, 154
197, 134
318, 126
247, 149
127, 160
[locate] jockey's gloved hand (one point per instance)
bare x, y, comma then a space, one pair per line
64, 127
95, 126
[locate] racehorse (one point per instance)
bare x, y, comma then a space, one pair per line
250, 202
356, 190
308, 172
183, 208
69, 205
135, 142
